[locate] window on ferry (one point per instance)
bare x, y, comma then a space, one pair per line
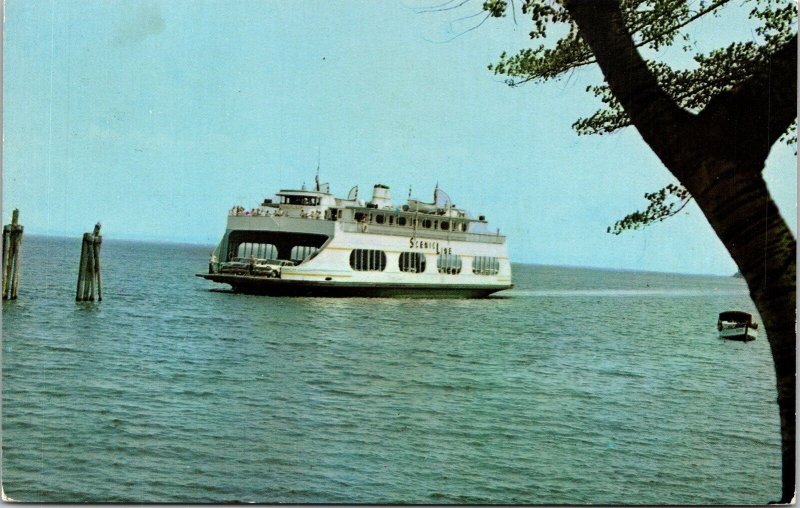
462, 226
413, 262
257, 250
301, 252
449, 264
444, 226
359, 216
300, 200
485, 265
426, 223
401, 221
379, 219
391, 220
368, 260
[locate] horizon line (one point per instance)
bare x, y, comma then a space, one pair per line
525, 263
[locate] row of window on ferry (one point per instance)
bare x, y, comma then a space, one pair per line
300, 200
375, 260
392, 220
415, 262
269, 251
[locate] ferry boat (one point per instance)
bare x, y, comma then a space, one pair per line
311, 243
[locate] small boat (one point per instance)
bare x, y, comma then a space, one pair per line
737, 325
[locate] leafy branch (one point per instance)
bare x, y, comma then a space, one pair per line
665, 203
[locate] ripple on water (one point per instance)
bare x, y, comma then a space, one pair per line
580, 386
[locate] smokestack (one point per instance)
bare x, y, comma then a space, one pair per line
381, 197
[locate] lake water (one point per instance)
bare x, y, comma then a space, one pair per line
577, 386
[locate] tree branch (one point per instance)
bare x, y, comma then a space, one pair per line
699, 14
442, 7
634, 30
758, 111
656, 116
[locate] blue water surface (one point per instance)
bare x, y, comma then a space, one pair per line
577, 386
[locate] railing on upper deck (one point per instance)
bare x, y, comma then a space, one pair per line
358, 227
257, 212
351, 226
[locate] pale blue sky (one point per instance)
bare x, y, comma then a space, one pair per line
155, 117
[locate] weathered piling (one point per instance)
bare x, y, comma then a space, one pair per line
96, 254
89, 267
12, 246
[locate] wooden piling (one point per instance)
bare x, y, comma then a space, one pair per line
92, 273
6, 257
81, 271
89, 267
88, 276
15, 277
12, 246
9, 271
98, 241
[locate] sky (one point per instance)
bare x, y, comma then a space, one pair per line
155, 117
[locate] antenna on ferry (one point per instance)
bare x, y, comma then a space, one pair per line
409, 192
316, 179
436, 192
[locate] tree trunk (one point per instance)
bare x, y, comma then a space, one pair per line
716, 155
740, 209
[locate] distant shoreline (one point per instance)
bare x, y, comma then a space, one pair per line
543, 265
125, 240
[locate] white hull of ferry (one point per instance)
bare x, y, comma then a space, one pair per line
329, 273
287, 287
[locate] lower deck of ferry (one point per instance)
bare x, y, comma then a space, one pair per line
306, 257
251, 284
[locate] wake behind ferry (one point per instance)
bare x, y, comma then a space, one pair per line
310, 243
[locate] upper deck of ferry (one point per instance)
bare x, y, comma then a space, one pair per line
378, 216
